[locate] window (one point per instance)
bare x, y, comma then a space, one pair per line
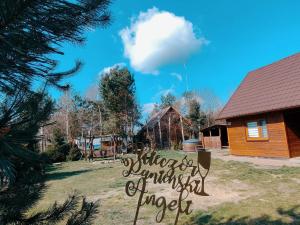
264, 130
257, 130
253, 131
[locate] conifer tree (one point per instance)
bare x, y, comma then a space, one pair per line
31, 31
167, 100
117, 89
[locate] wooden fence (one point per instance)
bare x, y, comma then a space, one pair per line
212, 142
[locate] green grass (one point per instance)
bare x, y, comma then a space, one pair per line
273, 189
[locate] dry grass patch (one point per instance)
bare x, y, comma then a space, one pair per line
237, 190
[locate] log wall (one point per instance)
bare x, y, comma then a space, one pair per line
212, 142
292, 119
275, 146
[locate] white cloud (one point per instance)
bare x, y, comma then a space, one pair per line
156, 38
106, 70
177, 75
148, 107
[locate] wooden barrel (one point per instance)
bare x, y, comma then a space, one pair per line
190, 145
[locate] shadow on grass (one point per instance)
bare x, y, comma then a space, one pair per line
15, 201
65, 174
291, 217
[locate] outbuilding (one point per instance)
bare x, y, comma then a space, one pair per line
165, 129
215, 137
263, 115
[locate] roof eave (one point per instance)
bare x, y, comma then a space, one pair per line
258, 113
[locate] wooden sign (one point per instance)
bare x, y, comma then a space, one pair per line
183, 176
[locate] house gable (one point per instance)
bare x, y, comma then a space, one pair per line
271, 88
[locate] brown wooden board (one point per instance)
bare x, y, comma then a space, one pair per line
275, 146
212, 142
292, 119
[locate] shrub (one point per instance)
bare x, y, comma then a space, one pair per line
74, 154
59, 150
58, 153
180, 147
175, 146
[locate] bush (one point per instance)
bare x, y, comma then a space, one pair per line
58, 153
180, 147
63, 153
60, 149
174, 146
74, 154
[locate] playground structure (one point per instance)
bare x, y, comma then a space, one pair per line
105, 146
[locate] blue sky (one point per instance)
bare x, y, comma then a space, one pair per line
224, 40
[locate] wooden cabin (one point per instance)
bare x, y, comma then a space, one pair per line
263, 115
214, 137
165, 129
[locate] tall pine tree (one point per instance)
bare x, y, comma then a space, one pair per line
31, 31
167, 100
117, 89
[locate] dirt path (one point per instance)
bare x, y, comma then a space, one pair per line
234, 191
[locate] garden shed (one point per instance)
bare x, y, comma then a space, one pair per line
263, 115
215, 136
166, 128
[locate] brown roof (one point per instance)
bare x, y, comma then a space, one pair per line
156, 117
213, 127
270, 88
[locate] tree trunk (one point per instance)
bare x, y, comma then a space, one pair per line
147, 130
100, 121
114, 148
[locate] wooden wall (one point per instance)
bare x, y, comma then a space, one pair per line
174, 135
292, 119
275, 146
212, 142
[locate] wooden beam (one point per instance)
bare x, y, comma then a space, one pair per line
169, 131
115, 146
181, 124
160, 137
85, 151
220, 136
153, 145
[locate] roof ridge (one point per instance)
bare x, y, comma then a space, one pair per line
162, 111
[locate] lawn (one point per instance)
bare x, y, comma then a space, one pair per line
239, 193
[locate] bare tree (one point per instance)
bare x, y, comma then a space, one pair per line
211, 105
